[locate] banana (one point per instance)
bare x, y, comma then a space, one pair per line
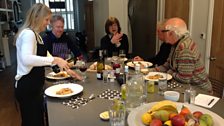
164, 105
169, 108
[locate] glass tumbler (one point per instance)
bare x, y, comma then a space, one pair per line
189, 95
162, 84
122, 53
117, 113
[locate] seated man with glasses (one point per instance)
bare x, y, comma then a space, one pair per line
164, 51
184, 62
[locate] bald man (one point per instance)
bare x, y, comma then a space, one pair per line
184, 61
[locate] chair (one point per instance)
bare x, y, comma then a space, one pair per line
217, 88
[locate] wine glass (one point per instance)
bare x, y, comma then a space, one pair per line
122, 57
122, 54
83, 67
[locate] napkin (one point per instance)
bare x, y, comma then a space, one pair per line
205, 100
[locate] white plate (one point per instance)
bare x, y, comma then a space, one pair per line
145, 63
169, 77
134, 118
116, 58
51, 91
92, 67
51, 75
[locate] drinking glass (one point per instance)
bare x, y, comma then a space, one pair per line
114, 54
105, 76
162, 84
83, 67
122, 54
189, 95
117, 113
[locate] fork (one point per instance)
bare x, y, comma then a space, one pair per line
91, 97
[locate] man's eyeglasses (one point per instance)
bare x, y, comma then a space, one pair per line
165, 30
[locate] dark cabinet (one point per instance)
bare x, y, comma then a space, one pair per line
89, 23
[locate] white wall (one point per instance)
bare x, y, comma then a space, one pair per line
119, 8
101, 13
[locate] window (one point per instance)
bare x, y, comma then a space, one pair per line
67, 12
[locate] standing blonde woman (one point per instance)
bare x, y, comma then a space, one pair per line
31, 59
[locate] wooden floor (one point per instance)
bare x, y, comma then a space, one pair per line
9, 116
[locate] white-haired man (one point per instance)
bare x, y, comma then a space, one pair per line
184, 62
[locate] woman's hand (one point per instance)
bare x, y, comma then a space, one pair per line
74, 74
63, 64
116, 38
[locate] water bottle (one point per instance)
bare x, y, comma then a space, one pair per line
134, 90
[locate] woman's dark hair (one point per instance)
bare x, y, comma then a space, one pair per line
110, 21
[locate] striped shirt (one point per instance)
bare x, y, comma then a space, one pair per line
185, 65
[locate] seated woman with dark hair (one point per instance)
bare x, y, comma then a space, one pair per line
114, 40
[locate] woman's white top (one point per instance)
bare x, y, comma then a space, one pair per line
26, 47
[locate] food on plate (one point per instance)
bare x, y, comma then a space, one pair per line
166, 113
146, 118
168, 123
145, 71
162, 114
156, 76
104, 115
64, 91
197, 114
156, 122
164, 105
93, 67
207, 119
143, 64
178, 120
185, 111
61, 74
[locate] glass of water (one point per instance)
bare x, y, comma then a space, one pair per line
162, 84
117, 113
189, 95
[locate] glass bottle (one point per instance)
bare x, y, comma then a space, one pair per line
126, 72
100, 66
55, 68
134, 90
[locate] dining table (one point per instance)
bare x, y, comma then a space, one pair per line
58, 114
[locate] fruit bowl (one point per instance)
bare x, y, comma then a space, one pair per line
134, 117
172, 95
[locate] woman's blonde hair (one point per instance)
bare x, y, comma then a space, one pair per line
35, 17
